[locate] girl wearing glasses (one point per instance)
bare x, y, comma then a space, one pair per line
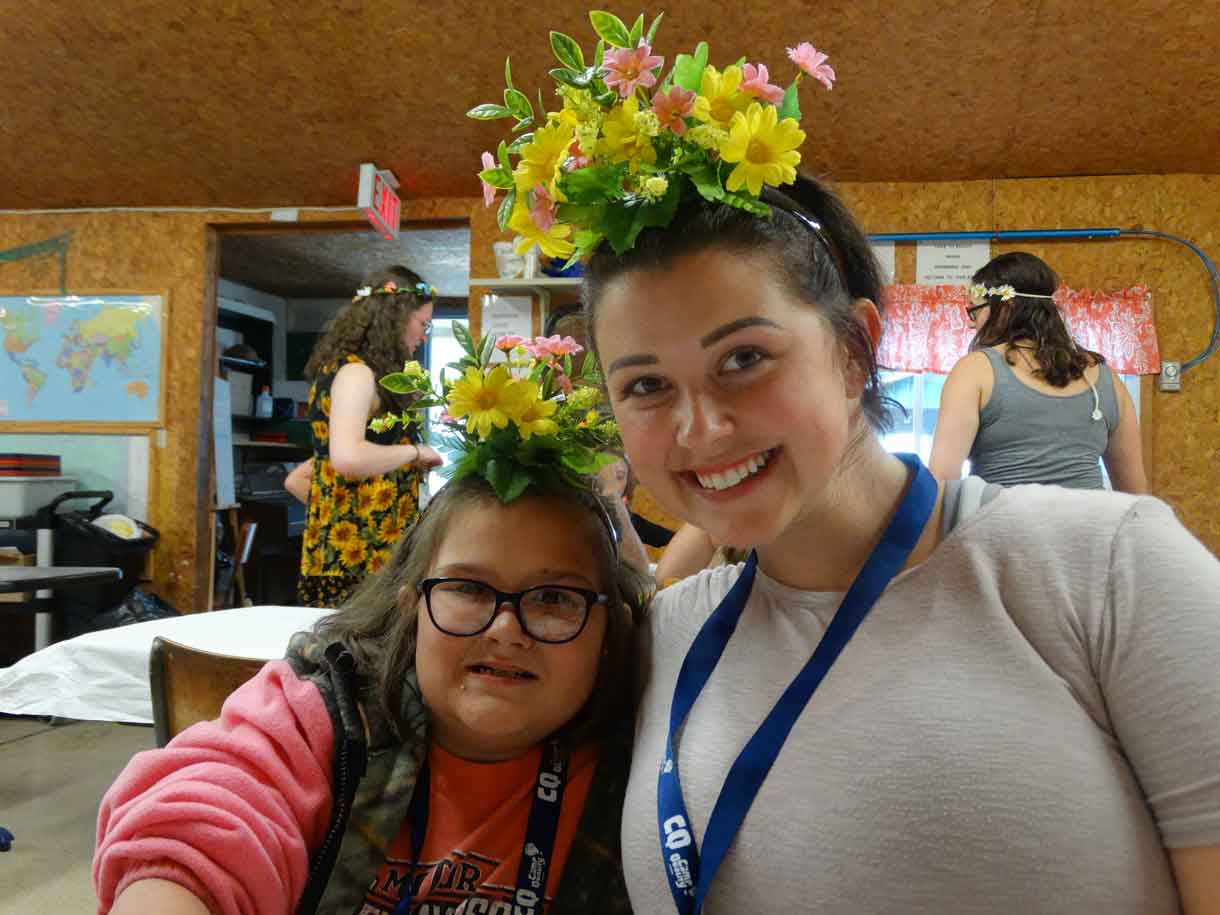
361, 486
1029, 405
486, 671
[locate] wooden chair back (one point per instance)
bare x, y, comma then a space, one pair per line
190, 685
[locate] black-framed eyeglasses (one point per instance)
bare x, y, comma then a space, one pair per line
972, 310
548, 613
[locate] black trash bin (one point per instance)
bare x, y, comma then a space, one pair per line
79, 542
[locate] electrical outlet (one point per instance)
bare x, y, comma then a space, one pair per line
1171, 376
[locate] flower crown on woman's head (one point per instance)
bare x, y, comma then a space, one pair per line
517, 419
423, 291
980, 294
628, 144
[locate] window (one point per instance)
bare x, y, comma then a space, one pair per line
442, 349
919, 393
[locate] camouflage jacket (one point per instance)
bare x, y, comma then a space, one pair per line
374, 777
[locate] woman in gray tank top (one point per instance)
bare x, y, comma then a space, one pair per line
1028, 404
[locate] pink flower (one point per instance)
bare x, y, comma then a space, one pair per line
672, 106
489, 192
813, 62
390, 286
446, 418
555, 346
755, 82
542, 210
509, 342
627, 68
564, 382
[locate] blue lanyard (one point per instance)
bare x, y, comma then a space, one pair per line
689, 880
540, 832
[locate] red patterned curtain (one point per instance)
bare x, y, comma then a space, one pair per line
925, 328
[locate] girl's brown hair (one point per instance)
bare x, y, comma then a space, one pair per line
1022, 320
378, 622
371, 327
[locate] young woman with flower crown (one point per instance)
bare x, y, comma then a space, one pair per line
454, 740
912, 697
361, 487
1028, 404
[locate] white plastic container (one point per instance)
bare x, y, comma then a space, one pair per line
264, 404
22, 496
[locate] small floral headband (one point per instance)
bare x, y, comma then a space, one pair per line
629, 144
979, 294
422, 291
516, 420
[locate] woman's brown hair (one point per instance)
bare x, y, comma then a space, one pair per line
1022, 320
378, 622
371, 327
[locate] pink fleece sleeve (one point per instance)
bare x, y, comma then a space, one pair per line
230, 809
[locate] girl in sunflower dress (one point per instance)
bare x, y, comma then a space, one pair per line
363, 485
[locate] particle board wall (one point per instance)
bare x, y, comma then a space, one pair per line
1181, 431
175, 252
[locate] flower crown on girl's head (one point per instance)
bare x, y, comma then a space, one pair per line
516, 420
628, 144
979, 294
422, 291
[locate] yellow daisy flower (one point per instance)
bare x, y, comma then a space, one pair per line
764, 148
343, 534
328, 474
365, 499
354, 553
535, 418
542, 158
390, 530
384, 493
553, 241
622, 139
487, 400
343, 501
719, 96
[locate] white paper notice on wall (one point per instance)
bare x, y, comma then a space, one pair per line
949, 263
505, 315
884, 251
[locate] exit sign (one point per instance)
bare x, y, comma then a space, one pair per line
377, 198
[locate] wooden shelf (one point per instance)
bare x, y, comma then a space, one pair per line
541, 286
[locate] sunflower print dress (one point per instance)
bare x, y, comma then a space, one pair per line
351, 525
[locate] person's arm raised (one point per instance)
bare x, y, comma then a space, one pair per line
353, 397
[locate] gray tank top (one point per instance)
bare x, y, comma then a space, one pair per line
1026, 436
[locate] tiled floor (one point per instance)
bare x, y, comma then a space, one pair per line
51, 780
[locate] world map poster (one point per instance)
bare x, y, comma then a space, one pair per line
93, 359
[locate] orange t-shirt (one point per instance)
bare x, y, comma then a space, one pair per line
476, 826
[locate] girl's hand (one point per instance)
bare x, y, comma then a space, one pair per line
428, 458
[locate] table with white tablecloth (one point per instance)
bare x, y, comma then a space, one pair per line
103, 676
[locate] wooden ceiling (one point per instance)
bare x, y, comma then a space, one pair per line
263, 103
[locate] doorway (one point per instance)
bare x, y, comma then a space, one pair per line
277, 290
